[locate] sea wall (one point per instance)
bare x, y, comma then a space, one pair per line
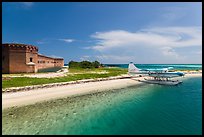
27, 88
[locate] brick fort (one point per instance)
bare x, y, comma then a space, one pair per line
23, 58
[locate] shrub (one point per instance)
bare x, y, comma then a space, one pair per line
84, 64
96, 64
73, 64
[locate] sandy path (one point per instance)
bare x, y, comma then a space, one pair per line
60, 73
33, 96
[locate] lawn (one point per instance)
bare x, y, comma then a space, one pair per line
73, 75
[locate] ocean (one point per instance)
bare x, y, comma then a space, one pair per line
155, 66
140, 110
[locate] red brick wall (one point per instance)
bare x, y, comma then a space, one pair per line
59, 62
5, 59
48, 62
31, 53
18, 56
45, 62
16, 59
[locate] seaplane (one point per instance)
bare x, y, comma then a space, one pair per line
161, 76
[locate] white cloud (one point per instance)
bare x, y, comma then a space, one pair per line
157, 43
67, 40
168, 51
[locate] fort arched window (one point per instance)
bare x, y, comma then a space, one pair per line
31, 59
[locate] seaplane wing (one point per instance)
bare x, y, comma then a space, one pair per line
161, 72
159, 69
167, 74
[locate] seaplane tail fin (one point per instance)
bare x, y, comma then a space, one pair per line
132, 68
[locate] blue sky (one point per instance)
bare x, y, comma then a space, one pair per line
110, 32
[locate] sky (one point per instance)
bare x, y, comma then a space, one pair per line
109, 32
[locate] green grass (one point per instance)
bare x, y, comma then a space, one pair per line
82, 74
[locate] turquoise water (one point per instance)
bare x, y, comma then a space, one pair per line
153, 66
141, 110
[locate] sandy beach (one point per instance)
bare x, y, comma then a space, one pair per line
193, 75
38, 95
33, 96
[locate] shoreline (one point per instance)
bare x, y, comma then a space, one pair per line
14, 99
22, 98
193, 75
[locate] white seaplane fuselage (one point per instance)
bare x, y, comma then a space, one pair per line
157, 76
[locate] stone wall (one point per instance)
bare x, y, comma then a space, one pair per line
27, 88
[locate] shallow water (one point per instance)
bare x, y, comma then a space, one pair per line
147, 109
157, 66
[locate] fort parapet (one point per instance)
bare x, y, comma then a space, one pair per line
22, 58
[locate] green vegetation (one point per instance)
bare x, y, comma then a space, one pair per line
84, 64
73, 75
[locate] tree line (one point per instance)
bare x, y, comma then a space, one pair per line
84, 64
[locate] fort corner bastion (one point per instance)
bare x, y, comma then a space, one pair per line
23, 58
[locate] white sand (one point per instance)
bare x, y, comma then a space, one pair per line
38, 95
193, 75
59, 73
